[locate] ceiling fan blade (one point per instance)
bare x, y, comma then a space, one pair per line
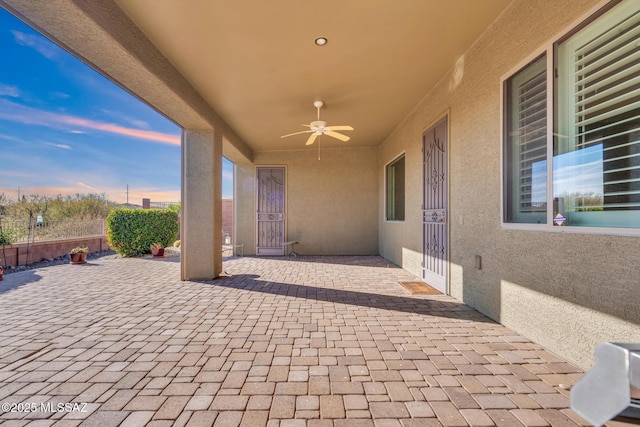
296, 133
312, 139
337, 135
339, 128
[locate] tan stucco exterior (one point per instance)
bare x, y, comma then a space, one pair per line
332, 203
565, 291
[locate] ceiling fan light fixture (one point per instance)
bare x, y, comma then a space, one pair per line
321, 41
319, 127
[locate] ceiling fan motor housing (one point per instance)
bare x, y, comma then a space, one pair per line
319, 127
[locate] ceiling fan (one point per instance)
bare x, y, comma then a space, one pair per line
320, 127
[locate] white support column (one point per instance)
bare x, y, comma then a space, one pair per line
201, 216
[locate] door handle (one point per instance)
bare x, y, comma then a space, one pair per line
437, 216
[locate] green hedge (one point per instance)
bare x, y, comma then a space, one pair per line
130, 232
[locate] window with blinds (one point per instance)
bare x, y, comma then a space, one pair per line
526, 148
594, 168
596, 164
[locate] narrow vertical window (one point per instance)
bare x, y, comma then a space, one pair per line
395, 190
526, 144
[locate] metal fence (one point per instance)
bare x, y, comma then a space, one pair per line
162, 205
22, 231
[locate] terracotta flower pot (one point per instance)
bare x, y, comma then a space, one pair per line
158, 253
1, 270
79, 258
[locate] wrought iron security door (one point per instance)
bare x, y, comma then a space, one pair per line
435, 247
271, 211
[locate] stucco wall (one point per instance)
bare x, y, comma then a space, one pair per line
331, 203
565, 291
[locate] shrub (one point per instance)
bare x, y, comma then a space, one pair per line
5, 239
131, 232
8, 236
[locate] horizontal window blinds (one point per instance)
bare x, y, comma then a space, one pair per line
532, 127
527, 106
605, 87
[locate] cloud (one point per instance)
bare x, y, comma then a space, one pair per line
139, 123
44, 174
126, 118
16, 174
6, 90
579, 171
87, 187
14, 139
59, 95
57, 145
31, 116
43, 46
227, 174
116, 129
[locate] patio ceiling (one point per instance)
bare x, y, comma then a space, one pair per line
256, 64
251, 69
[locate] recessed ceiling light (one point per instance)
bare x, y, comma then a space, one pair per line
321, 41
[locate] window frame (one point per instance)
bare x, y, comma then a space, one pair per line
505, 126
548, 49
402, 155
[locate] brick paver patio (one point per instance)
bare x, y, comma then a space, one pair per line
327, 341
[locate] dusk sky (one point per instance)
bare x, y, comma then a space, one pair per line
66, 129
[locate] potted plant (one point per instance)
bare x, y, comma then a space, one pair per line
1, 272
157, 250
79, 255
